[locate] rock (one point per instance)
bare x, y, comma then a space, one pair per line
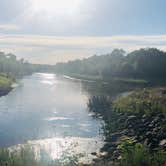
162, 142
151, 125
108, 146
111, 150
140, 130
131, 133
115, 136
157, 125
94, 153
146, 141
148, 134
143, 120
103, 154
144, 116
131, 118
121, 120
154, 140
125, 132
147, 123
161, 133
96, 160
120, 157
5, 91
163, 92
155, 129
130, 126
116, 154
157, 119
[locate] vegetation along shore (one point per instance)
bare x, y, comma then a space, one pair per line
135, 128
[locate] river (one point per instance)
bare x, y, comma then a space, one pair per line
51, 112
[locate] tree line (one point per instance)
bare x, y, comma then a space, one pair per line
149, 63
13, 67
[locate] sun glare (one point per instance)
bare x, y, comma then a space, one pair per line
53, 7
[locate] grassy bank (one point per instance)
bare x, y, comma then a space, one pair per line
141, 118
147, 101
85, 77
5, 81
5, 84
110, 80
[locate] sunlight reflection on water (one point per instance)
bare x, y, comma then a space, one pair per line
58, 118
72, 146
50, 111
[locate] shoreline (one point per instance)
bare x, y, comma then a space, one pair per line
5, 91
138, 126
6, 85
97, 78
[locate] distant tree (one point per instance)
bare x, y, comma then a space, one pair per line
149, 63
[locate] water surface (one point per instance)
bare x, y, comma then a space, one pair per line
44, 108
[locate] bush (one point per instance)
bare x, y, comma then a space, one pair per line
143, 102
136, 154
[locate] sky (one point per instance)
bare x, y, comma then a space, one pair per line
51, 31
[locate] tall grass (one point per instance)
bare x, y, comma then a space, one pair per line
138, 155
27, 156
142, 102
5, 82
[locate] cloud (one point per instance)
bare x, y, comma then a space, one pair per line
84, 17
53, 49
83, 42
10, 9
51, 31
8, 27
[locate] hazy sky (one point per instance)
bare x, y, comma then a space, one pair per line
50, 31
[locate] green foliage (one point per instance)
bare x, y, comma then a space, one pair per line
12, 67
99, 104
5, 82
148, 105
136, 67
27, 156
125, 80
13, 158
136, 154
94, 65
133, 155
86, 77
142, 102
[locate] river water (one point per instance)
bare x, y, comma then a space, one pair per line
49, 111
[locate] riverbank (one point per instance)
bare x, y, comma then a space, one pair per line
113, 80
5, 84
137, 120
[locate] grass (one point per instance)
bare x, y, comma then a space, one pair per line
27, 156
5, 81
86, 77
137, 154
109, 79
150, 102
13, 158
130, 80
147, 101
